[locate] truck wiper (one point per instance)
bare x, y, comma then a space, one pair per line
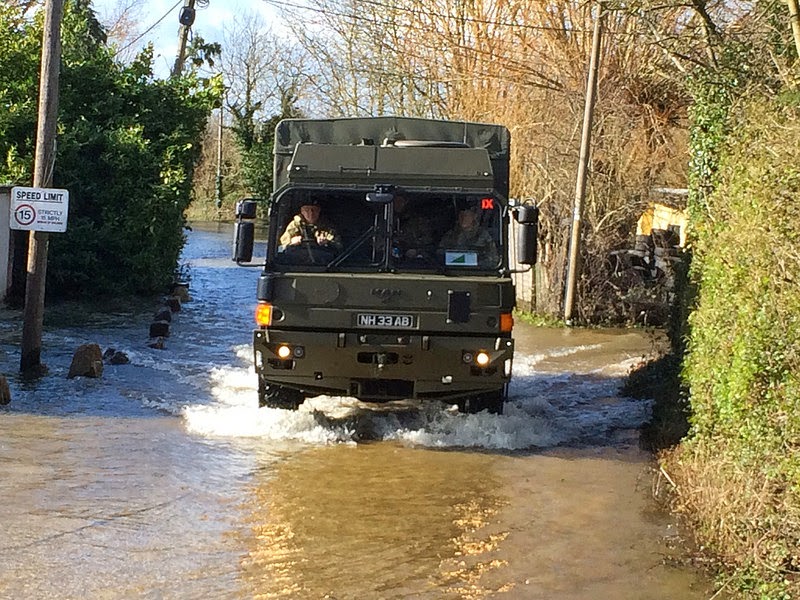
351, 249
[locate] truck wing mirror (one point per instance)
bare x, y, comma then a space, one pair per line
244, 231
527, 214
246, 209
528, 218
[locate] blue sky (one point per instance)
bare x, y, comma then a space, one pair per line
209, 23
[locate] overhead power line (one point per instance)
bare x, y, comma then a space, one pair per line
149, 29
356, 17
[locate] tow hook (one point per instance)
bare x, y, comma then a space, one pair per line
381, 359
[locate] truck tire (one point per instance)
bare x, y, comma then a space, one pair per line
489, 401
276, 396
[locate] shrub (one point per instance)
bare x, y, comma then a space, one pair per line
127, 145
739, 473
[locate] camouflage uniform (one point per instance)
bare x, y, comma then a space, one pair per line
477, 239
323, 233
413, 233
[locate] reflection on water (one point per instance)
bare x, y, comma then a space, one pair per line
386, 521
100, 507
373, 521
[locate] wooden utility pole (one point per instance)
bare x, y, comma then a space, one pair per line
186, 20
794, 16
42, 178
218, 180
580, 185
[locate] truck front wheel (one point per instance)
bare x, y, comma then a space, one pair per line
489, 401
276, 396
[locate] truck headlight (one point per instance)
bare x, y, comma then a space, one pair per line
480, 358
285, 351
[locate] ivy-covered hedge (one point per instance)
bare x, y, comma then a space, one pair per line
126, 149
738, 473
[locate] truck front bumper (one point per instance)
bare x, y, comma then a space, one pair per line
383, 365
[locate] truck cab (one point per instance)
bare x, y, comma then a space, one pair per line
401, 289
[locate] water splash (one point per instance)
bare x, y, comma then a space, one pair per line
544, 410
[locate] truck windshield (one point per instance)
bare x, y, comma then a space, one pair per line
319, 230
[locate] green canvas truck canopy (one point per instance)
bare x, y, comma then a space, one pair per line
400, 150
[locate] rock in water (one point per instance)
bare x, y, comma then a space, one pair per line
159, 329
86, 362
158, 343
5, 391
181, 292
119, 358
115, 357
174, 303
164, 314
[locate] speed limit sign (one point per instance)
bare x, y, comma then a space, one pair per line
39, 209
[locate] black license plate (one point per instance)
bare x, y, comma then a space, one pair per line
384, 321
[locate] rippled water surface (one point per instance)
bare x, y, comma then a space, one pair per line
163, 479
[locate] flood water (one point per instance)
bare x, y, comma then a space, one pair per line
163, 479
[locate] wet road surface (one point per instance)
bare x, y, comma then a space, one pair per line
164, 480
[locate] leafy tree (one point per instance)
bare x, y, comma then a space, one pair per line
122, 21
127, 145
19, 49
256, 143
264, 86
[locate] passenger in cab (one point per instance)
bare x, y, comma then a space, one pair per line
413, 235
311, 227
468, 235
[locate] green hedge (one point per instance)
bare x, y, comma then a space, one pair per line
126, 149
739, 472
744, 353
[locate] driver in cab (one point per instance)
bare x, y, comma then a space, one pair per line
310, 227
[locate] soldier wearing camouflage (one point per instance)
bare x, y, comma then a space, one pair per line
413, 235
468, 235
309, 226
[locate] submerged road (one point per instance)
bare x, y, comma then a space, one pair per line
163, 479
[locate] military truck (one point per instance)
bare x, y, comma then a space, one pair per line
381, 316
